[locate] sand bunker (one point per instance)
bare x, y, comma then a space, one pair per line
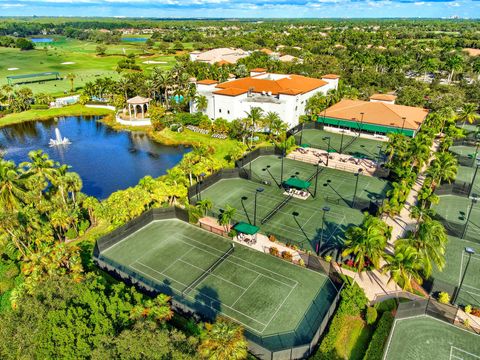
11, 69
154, 62
68, 63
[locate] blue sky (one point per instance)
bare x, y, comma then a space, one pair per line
244, 8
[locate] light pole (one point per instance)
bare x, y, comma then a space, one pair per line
199, 197
259, 190
379, 154
319, 244
361, 122
328, 147
316, 178
474, 178
301, 133
476, 153
341, 142
470, 252
474, 201
356, 186
403, 124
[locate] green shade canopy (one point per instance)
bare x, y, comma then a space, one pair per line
331, 151
297, 183
246, 228
305, 145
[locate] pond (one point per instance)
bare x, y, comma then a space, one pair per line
41, 40
106, 160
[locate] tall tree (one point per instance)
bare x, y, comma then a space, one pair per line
223, 340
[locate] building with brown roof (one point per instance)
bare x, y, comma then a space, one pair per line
377, 117
284, 94
220, 55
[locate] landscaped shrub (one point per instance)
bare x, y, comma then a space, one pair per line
371, 315
287, 255
328, 258
468, 309
273, 251
353, 301
476, 312
444, 298
379, 338
272, 238
39, 107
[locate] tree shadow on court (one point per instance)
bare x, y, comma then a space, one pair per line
333, 239
206, 302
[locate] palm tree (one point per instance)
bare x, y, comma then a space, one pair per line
367, 242
444, 167
404, 265
204, 206
12, 186
223, 340
254, 117
71, 77
201, 103
454, 63
430, 241
226, 216
275, 123
468, 113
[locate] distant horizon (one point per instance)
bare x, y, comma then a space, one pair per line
245, 9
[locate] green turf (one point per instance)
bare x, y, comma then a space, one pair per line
456, 260
351, 145
425, 338
341, 185
463, 150
453, 211
265, 294
88, 66
465, 175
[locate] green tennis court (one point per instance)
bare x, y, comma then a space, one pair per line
265, 294
465, 175
453, 211
427, 338
333, 185
463, 150
352, 145
298, 222
456, 262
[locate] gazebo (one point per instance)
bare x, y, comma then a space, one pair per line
135, 103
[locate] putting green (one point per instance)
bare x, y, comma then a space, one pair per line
266, 294
350, 144
426, 338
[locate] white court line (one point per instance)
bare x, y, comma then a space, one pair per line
454, 348
214, 275
279, 307
240, 259
249, 286
474, 257
193, 298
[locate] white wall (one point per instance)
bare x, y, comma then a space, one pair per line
289, 107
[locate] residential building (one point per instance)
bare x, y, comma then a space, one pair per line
221, 55
379, 116
286, 95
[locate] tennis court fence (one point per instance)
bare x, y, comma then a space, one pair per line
433, 308
295, 344
458, 230
465, 142
308, 125
461, 188
197, 188
262, 151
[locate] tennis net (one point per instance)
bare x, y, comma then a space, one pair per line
276, 209
212, 267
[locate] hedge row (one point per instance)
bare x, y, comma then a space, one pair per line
379, 338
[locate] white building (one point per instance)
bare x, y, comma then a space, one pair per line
286, 95
225, 55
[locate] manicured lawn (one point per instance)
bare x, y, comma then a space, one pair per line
353, 340
73, 110
87, 66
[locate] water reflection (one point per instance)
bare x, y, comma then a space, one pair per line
107, 160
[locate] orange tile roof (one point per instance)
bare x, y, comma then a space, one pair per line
289, 85
259, 70
207, 82
223, 62
266, 51
378, 113
330, 76
230, 92
384, 97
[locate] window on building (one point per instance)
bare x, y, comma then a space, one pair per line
219, 110
228, 111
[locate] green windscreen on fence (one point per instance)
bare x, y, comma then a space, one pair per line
355, 125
